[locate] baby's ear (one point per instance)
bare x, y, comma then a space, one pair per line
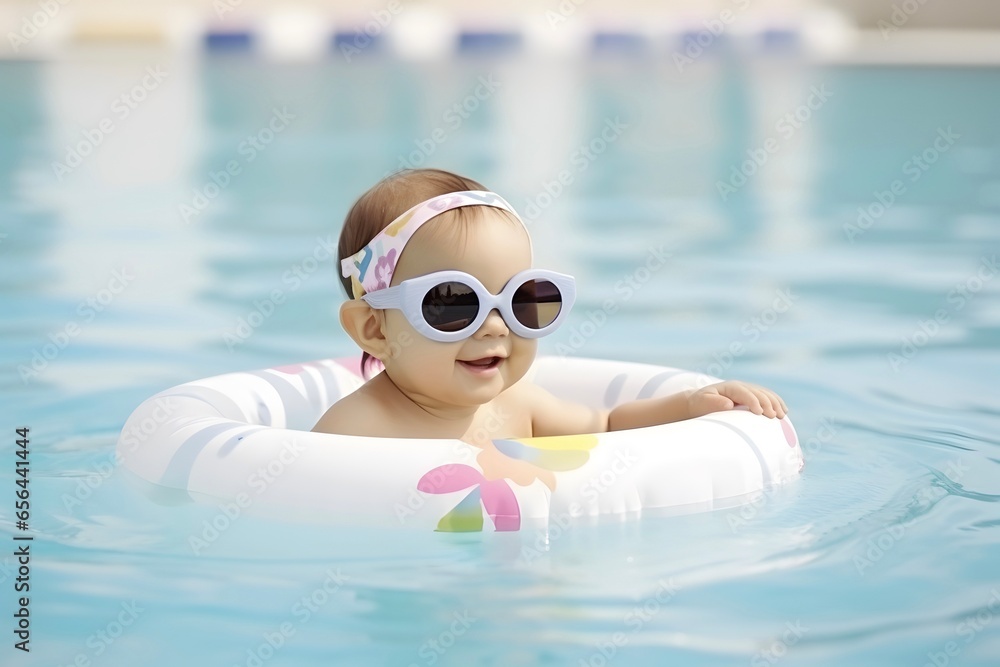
364, 325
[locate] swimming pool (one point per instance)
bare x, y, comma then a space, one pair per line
165, 244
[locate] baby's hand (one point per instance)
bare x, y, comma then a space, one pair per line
727, 395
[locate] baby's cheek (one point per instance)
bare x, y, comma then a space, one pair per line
430, 364
398, 331
522, 356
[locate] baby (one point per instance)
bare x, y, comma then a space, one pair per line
444, 296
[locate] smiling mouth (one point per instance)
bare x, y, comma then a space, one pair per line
482, 364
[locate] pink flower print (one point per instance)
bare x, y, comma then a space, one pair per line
496, 495
384, 268
789, 431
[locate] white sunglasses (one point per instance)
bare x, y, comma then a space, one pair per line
449, 306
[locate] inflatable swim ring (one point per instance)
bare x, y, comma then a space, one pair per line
244, 438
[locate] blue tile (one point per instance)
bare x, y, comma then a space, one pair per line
489, 41
229, 41
618, 42
359, 40
779, 39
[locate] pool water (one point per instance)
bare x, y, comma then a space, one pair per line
831, 233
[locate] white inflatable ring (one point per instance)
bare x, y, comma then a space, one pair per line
244, 438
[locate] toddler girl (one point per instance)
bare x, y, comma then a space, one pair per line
444, 296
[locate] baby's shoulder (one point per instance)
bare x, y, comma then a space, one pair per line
354, 414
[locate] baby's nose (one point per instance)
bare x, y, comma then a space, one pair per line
494, 325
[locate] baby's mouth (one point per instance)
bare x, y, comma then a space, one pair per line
481, 364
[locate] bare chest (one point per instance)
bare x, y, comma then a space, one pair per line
498, 419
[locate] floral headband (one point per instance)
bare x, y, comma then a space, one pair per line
371, 268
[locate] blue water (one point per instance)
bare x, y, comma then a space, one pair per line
881, 334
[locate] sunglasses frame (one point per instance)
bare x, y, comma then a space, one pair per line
408, 296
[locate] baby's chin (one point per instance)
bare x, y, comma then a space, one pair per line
470, 391
467, 385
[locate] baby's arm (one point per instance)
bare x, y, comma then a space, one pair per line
551, 415
554, 416
695, 403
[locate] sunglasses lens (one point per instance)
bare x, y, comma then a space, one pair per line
537, 303
450, 306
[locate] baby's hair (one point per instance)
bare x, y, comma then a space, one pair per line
385, 201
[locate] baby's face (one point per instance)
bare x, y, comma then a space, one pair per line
493, 249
